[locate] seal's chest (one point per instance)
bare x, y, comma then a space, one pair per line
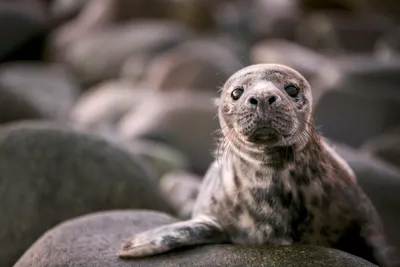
280, 213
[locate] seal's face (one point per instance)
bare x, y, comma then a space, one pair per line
266, 104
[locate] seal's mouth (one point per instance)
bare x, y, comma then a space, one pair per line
264, 134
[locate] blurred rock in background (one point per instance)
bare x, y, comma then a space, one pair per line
108, 104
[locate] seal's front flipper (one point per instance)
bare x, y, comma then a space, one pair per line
197, 231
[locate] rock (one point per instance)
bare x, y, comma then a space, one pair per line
50, 88
99, 55
135, 69
381, 182
92, 16
49, 174
309, 63
385, 146
61, 10
354, 6
274, 18
198, 15
184, 120
257, 20
13, 107
92, 240
161, 157
362, 99
181, 188
201, 64
342, 31
100, 108
22, 24
387, 48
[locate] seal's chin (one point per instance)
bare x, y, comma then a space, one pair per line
265, 135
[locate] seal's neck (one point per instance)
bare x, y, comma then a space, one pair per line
307, 148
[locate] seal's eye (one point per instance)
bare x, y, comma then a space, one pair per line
292, 90
237, 93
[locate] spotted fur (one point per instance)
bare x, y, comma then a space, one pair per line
290, 188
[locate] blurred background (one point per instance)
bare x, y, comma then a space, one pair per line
93, 62
142, 73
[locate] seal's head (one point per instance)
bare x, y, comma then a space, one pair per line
266, 104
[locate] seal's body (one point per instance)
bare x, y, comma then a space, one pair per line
274, 180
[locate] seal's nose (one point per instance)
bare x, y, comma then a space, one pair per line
269, 99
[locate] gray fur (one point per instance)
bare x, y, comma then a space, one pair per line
280, 190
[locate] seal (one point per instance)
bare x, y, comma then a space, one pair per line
274, 181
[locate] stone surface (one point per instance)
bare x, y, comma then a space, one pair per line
257, 20
92, 240
381, 182
201, 64
13, 107
385, 146
342, 31
61, 10
101, 107
184, 120
50, 88
309, 63
361, 100
21, 24
161, 157
49, 174
387, 48
181, 188
99, 55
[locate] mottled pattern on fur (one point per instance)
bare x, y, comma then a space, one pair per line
291, 188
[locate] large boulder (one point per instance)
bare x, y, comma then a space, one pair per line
49, 174
93, 240
184, 120
181, 189
50, 88
99, 55
361, 100
387, 48
193, 65
14, 107
101, 107
309, 63
23, 24
385, 146
342, 31
257, 20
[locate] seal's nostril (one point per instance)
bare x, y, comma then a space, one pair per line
253, 101
272, 99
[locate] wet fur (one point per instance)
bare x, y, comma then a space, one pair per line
294, 190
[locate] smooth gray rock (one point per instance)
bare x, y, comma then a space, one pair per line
387, 47
183, 120
361, 100
341, 31
50, 88
100, 108
193, 65
180, 189
385, 146
13, 107
92, 240
49, 174
99, 55
21, 21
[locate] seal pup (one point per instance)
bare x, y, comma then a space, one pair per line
274, 180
